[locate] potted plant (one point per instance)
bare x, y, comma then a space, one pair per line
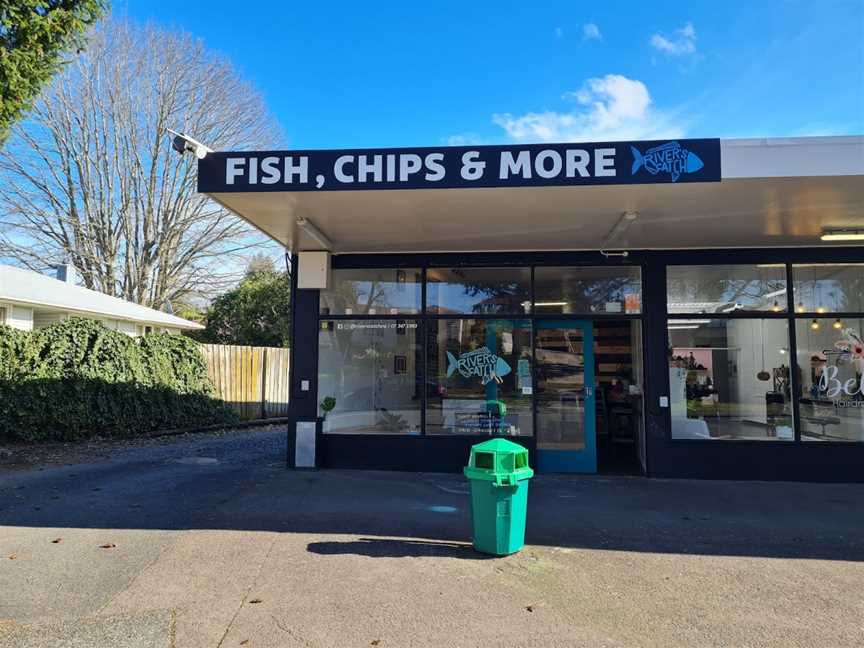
327, 405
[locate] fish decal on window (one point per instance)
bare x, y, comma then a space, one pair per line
481, 362
671, 158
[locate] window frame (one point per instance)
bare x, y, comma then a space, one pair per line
693, 258
428, 320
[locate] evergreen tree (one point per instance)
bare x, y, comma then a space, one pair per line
34, 34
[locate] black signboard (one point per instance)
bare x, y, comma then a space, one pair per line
534, 165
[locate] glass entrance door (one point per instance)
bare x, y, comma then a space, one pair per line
566, 425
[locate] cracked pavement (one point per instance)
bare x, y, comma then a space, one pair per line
210, 542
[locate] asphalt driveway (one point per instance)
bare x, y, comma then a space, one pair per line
210, 541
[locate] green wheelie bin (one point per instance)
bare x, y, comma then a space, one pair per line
498, 472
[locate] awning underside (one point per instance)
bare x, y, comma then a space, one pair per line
753, 212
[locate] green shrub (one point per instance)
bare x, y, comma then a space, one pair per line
76, 379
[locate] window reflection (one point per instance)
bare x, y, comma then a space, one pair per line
730, 379
587, 290
726, 289
481, 291
828, 288
373, 291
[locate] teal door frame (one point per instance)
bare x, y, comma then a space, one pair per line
573, 461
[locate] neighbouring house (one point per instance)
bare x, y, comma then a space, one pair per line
29, 300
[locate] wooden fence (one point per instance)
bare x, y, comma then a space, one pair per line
253, 380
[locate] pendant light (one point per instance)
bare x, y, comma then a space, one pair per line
838, 324
763, 375
814, 325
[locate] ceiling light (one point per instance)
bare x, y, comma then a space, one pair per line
626, 220
776, 307
800, 307
842, 234
814, 325
672, 327
838, 324
562, 303
313, 232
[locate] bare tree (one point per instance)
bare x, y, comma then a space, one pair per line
90, 177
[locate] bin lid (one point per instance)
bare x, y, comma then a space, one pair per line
498, 460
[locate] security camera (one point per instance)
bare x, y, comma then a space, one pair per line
183, 143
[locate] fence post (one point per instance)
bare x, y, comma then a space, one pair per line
264, 355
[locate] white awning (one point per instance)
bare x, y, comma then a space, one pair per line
773, 193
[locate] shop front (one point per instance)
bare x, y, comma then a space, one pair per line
667, 309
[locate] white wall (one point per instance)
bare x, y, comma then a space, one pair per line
758, 345
28, 319
41, 319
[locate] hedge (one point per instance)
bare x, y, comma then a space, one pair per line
77, 379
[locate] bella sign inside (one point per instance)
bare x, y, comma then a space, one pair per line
848, 351
695, 160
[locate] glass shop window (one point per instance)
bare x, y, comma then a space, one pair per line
730, 379
480, 377
726, 288
823, 288
372, 369
373, 291
587, 290
830, 364
504, 291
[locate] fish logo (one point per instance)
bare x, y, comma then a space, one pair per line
671, 158
481, 362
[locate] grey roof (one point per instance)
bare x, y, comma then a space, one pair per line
37, 290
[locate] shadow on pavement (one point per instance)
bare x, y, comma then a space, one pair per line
397, 548
242, 484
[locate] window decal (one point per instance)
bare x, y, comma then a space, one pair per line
481, 362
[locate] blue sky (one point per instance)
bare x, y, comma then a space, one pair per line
353, 74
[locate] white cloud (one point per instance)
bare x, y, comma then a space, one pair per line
682, 43
462, 139
609, 108
559, 32
590, 31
